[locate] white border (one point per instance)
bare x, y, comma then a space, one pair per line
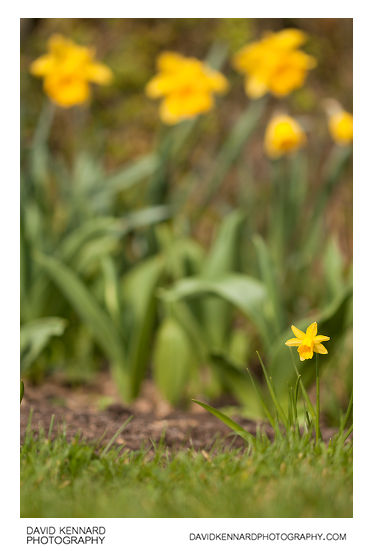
166, 533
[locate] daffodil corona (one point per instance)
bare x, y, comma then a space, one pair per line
308, 342
67, 70
283, 136
274, 64
186, 85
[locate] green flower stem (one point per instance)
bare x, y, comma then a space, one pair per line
304, 392
318, 433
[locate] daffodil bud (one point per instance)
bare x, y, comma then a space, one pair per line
283, 136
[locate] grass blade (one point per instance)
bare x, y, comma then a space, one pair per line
276, 403
227, 421
115, 436
262, 401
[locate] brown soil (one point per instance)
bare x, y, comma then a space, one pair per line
96, 413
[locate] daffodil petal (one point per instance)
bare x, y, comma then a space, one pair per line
58, 43
320, 338
297, 332
312, 330
288, 38
217, 81
320, 348
99, 73
178, 107
169, 61
42, 65
255, 88
293, 342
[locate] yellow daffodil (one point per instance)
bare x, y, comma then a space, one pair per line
308, 342
274, 64
67, 70
283, 135
340, 124
186, 85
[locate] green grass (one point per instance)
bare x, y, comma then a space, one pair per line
285, 478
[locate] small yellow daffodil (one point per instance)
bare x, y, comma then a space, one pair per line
67, 70
274, 64
340, 122
283, 135
186, 85
308, 342
341, 126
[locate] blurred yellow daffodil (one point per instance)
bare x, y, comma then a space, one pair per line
67, 70
340, 122
283, 135
274, 64
186, 85
308, 342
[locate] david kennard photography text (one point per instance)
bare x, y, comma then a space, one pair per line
65, 534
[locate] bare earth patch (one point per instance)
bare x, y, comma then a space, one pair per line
96, 413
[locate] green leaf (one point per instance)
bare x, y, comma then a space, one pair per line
104, 226
183, 255
232, 147
269, 277
139, 299
22, 390
90, 312
223, 254
244, 292
333, 264
235, 379
91, 253
35, 335
189, 321
127, 177
221, 260
111, 289
239, 346
336, 164
39, 155
173, 360
227, 421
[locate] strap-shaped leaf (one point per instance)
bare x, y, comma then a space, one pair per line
244, 292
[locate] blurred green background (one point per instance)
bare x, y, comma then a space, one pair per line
172, 217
